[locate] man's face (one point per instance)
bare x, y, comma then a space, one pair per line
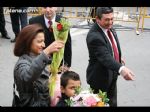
106, 21
49, 12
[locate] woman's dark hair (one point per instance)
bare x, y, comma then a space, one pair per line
25, 38
103, 10
66, 76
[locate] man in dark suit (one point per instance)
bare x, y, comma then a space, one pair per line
3, 30
18, 16
105, 63
48, 17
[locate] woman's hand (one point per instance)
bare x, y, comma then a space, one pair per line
54, 47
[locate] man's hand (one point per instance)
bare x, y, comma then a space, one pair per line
127, 74
123, 61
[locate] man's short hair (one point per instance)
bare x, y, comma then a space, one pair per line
103, 10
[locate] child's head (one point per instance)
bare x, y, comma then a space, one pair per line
69, 81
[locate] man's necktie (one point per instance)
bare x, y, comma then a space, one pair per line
115, 49
50, 26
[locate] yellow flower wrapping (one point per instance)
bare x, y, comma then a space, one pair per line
57, 58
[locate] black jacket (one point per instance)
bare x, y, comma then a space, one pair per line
62, 102
49, 37
102, 67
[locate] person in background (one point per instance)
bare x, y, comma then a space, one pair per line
105, 61
31, 73
46, 19
69, 81
18, 16
3, 30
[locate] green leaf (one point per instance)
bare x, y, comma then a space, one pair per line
69, 102
78, 90
91, 90
106, 100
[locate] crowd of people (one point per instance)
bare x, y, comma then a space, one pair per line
35, 44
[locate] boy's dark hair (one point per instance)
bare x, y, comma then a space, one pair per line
103, 10
67, 76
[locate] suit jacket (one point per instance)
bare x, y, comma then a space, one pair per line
102, 68
62, 101
49, 37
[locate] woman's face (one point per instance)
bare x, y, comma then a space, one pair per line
38, 44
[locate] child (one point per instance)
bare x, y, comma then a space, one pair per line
69, 81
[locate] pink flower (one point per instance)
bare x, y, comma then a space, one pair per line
90, 101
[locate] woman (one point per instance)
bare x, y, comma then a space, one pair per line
31, 73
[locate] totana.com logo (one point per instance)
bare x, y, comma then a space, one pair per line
28, 10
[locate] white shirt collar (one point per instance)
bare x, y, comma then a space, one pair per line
46, 21
103, 29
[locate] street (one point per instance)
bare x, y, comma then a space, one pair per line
135, 50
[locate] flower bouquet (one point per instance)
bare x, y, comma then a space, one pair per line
86, 98
60, 31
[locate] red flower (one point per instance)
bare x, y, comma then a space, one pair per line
59, 27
